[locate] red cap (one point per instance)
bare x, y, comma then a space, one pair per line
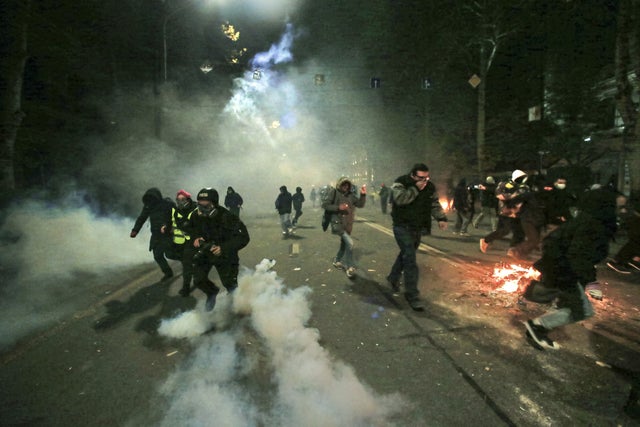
184, 193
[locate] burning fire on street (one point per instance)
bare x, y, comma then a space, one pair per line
446, 204
513, 277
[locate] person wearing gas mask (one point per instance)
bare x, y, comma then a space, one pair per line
158, 210
218, 236
182, 247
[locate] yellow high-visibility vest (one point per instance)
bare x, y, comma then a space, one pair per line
179, 236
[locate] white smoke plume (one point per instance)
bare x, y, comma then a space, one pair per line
305, 386
43, 248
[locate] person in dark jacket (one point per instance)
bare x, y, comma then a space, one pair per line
415, 201
158, 211
567, 265
488, 203
298, 200
283, 206
233, 201
218, 235
462, 203
558, 202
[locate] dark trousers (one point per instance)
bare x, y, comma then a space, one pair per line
383, 204
187, 263
227, 271
408, 240
531, 239
161, 248
297, 215
506, 225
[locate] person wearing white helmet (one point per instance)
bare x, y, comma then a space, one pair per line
509, 195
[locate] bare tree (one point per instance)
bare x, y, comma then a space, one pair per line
15, 16
492, 24
627, 78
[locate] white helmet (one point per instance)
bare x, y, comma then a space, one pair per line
517, 174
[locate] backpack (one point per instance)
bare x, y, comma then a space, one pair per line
326, 216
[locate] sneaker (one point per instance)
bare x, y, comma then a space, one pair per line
167, 275
537, 334
416, 305
185, 291
338, 264
635, 265
618, 266
483, 246
351, 272
594, 291
464, 233
211, 302
395, 284
512, 253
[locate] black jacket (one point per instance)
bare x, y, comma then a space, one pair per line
415, 208
158, 211
223, 229
283, 202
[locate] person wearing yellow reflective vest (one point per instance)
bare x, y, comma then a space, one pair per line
180, 215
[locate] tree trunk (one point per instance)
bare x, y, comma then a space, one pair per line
628, 60
15, 16
480, 127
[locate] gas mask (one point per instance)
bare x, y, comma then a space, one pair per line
182, 203
206, 210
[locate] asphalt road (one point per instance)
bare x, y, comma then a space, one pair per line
375, 361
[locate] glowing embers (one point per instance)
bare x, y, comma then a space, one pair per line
512, 277
235, 55
230, 32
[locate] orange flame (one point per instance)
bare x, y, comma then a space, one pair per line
445, 203
510, 276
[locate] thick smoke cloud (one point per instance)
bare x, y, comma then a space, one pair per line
43, 248
224, 379
256, 135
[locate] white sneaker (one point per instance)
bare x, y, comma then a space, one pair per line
351, 272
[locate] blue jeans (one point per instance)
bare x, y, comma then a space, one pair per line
345, 253
573, 306
408, 240
285, 221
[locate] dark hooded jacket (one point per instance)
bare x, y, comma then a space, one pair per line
298, 199
232, 199
158, 211
570, 252
284, 201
